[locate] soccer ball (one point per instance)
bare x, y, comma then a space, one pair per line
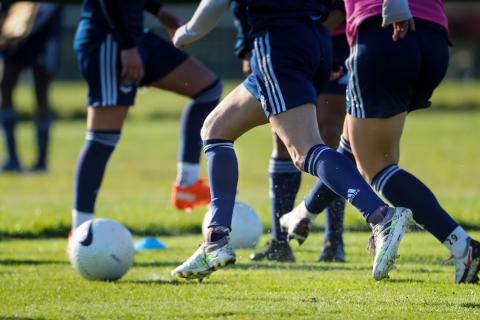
101, 249
246, 226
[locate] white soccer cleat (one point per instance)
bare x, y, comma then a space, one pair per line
386, 239
297, 223
207, 259
467, 267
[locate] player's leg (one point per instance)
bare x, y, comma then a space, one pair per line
8, 116
108, 102
237, 113
331, 115
43, 118
284, 183
188, 77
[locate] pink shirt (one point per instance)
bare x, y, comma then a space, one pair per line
359, 10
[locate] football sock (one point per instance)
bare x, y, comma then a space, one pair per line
402, 189
320, 196
42, 127
284, 184
91, 165
193, 116
79, 217
334, 219
187, 173
341, 176
223, 177
457, 242
8, 118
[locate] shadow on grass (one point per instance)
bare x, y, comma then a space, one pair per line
305, 267
157, 264
29, 262
470, 305
19, 318
171, 282
404, 281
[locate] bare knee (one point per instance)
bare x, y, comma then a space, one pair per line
214, 129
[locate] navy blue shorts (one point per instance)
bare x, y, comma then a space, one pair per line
290, 63
341, 50
387, 78
101, 68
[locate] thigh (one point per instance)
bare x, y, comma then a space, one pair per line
330, 117
187, 79
298, 129
239, 112
170, 68
375, 142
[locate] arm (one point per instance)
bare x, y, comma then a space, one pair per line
397, 13
203, 21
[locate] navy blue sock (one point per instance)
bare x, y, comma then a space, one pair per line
193, 116
403, 189
334, 219
341, 176
285, 181
91, 165
8, 118
320, 196
223, 177
42, 127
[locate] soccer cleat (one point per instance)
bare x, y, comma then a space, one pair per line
274, 251
297, 223
11, 166
332, 251
190, 197
38, 168
208, 258
467, 267
386, 239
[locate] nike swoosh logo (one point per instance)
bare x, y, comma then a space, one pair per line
89, 237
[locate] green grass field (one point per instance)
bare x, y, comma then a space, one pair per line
36, 281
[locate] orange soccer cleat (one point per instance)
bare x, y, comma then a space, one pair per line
188, 198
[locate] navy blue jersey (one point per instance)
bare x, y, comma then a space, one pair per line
122, 18
263, 13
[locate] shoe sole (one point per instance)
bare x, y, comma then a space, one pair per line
200, 275
387, 260
300, 232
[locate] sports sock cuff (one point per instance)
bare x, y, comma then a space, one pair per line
210, 93
109, 138
381, 178
208, 145
277, 165
312, 157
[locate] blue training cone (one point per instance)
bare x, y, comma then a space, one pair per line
150, 243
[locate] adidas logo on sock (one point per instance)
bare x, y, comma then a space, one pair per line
351, 194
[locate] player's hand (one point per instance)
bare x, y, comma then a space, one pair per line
401, 28
132, 65
169, 20
246, 68
334, 75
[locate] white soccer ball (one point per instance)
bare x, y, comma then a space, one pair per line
246, 226
101, 249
